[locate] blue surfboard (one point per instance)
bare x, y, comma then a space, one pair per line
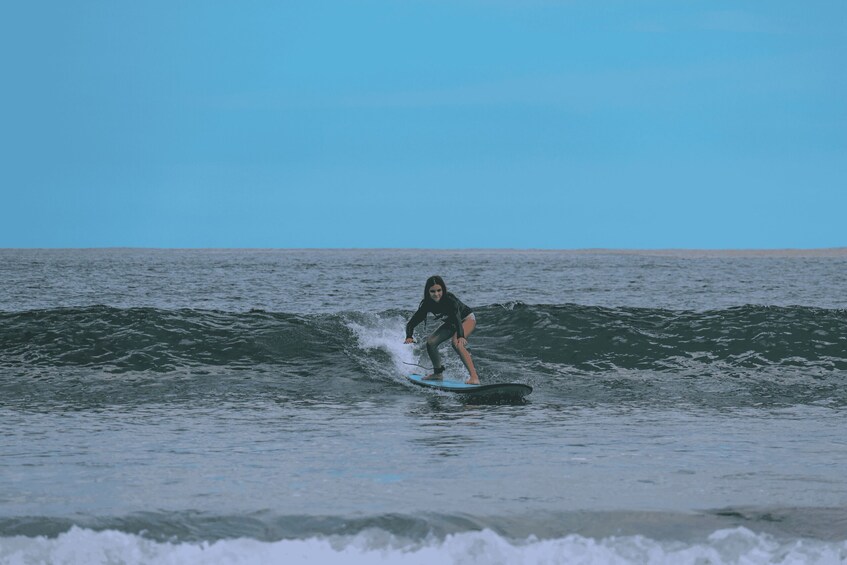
510, 390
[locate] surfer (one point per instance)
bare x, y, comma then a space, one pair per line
459, 323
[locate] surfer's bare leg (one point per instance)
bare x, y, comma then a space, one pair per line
468, 325
438, 337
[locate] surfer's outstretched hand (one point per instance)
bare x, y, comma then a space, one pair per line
409, 340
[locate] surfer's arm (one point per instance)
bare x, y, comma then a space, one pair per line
416, 319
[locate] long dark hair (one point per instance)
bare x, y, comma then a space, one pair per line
431, 282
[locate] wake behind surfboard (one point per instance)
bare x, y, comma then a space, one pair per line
503, 390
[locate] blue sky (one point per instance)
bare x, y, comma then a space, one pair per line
434, 124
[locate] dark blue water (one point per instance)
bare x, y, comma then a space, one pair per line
226, 405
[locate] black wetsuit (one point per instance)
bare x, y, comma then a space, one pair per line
450, 308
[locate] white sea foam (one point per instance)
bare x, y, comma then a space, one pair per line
387, 334
737, 545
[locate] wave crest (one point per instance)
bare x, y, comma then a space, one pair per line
587, 338
738, 545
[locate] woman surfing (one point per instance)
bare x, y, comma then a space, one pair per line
459, 323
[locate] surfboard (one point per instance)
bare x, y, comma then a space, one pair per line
510, 390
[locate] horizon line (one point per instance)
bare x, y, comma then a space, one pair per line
776, 251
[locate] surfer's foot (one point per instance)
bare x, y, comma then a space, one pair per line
472, 381
438, 375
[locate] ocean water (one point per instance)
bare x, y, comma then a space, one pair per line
242, 406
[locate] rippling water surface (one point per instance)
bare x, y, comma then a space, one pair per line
200, 405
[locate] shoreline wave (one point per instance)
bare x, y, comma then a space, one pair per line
737, 545
827, 524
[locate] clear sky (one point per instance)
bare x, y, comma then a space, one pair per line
430, 123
